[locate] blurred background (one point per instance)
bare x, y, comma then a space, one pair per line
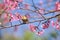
23, 32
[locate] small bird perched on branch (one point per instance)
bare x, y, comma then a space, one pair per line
24, 19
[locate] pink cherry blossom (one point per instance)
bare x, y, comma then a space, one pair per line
14, 5
2, 6
12, 16
11, 4
44, 26
40, 32
33, 28
27, 15
18, 16
6, 1
6, 20
57, 6
5, 15
53, 23
26, 6
58, 27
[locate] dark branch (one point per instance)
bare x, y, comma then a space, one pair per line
31, 22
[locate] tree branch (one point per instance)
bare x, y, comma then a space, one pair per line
31, 22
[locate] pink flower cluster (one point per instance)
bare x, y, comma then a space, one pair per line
11, 4
35, 29
45, 26
57, 5
56, 25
